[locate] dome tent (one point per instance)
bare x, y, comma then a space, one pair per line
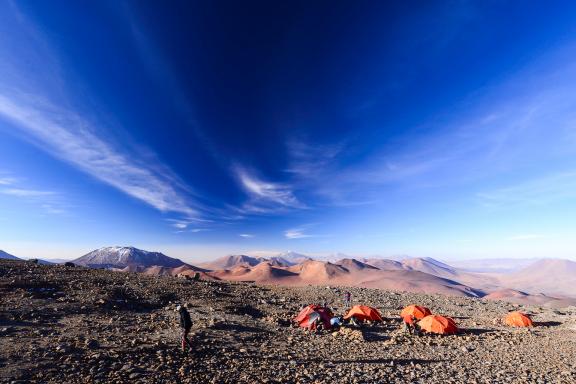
518, 319
417, 311
364, 313
307, 316
438, 324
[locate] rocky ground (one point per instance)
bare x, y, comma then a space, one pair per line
75, 325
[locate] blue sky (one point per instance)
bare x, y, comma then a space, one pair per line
443, 129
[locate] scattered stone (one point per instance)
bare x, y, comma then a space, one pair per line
91, 344
121, 327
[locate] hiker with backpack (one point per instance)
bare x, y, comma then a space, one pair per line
185, 325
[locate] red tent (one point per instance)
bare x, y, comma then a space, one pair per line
438, 324
417, 311
518, 319
363, 313
307, 316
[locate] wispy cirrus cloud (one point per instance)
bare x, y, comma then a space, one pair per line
301, 232
185, 225
296, 233
265, 196
246, 235
523, 125
66, 135
7, 180
50, 202
20, 192
308, 161
193, 230
38, 102
537, 191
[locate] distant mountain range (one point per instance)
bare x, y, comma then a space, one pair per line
347, 272
550, 276
285, 259
426, 274
7, 256
544, 282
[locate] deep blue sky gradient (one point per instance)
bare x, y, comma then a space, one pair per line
200, 128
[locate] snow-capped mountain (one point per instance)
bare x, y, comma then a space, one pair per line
292, 257
121, 257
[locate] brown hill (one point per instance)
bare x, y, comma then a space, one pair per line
279, 262
481, 281
319, 272
190, 273
430, 266
385, 264
519, 297
265, 272
231, 261
506, 293
416, 281
355, 265
347, 272
549, 276
157, 270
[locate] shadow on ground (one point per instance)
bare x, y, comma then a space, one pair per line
475, 331
361, 361
238, 328
547, 323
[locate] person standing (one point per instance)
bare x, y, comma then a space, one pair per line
185, 325
347, 299
409, 323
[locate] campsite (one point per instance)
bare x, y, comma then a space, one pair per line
95, 326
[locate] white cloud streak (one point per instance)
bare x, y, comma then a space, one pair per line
193, 230
7, 181
67, 136
296, 233
19, 192
246, 235
301, 232
49, 201
538, 191
265, 197
309, 161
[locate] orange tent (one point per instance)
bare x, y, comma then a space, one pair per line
363, 313
518, 319
438, 324
307, 316
417, 311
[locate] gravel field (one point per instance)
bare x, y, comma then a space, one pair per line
76, 325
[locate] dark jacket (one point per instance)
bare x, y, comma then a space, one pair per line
185, 320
